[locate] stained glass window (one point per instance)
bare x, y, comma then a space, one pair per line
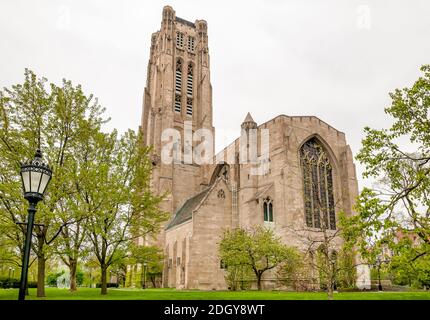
318, 186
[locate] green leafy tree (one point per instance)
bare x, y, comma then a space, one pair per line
346, 273
51, 278
406, 269
258, 249
73, 241
295, 272
398, 158
239, 277
118, 198
151, 259
54, 118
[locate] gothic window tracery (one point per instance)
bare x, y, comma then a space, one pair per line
268, 210
190, 90
191, 44
221, 194
318, 186
179, 40
178, 86
189, 106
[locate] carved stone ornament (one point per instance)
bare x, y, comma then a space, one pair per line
221, 194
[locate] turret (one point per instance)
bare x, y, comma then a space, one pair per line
248, 123
168, 18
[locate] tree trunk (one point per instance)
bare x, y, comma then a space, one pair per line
330, 291
379, 279
73, 266
259, 281
104, 279
41, 274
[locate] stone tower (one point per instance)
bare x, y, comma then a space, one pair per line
178, 95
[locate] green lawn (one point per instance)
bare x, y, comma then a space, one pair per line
170, 294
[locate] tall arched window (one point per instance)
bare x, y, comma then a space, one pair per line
178, 86
268, 210
318, 186
190, 90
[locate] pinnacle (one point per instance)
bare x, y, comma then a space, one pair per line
248, 118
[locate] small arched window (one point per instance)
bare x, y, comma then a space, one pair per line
318, 186
268, 210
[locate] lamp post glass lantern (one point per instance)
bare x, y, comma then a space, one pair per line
35, 176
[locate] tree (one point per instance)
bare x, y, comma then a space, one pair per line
346, 263
118, 198
398, 158
295, 273
322, 258
33, 116
404, 269
258, 249
73, 241
239, 276
151, 259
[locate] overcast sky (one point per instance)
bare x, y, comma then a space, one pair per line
337, 60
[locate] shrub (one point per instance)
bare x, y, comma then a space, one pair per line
109, 285
79, 277
51, 279
8, 283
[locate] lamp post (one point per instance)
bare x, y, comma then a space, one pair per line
144, 274
379, 262
10, 270
35, 176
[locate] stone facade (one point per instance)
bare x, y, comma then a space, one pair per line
206, 199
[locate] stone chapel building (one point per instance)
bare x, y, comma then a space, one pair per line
206, 199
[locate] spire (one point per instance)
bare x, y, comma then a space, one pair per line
248, 118
249, 123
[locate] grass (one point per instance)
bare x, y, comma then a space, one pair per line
171, 294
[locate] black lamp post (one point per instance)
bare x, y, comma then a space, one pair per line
379, 262
144, 274
35, 175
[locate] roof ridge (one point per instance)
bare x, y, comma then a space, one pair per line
176, 216
211, 187
186, 22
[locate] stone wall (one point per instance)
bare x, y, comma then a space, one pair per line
209, 222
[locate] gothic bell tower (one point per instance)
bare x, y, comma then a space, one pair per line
178, 94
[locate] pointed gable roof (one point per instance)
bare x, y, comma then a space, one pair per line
185, 212
261, 193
